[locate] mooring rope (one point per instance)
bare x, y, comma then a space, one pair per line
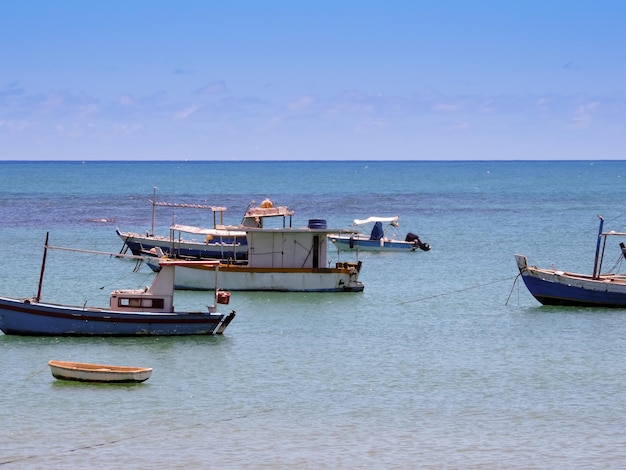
458, 290
512, 287
37, 372
139, 435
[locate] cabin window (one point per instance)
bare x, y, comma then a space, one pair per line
144, 303
129, 302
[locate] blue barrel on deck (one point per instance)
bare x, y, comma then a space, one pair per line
317, 223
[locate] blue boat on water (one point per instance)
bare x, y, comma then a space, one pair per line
132, 312
189, 242
378, 238
557, 287
220, 241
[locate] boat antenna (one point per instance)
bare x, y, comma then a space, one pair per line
43, 267
154, 188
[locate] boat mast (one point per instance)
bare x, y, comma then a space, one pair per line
43, 267
597, 265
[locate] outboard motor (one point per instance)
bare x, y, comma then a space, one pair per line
411, 237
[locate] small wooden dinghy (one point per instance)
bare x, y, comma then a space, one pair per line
85, 372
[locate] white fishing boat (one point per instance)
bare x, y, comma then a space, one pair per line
101, 373
281, 259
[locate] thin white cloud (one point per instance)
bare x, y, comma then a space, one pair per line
213, 88
126, 100
89, 109
301, 103
127, 128
446, 107
14, 126
462, 126
187, 112
583, 115
370, 124
54, 100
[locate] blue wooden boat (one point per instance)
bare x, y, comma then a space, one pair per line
557, 287
132, 312
189, 242
220, 241
378, 237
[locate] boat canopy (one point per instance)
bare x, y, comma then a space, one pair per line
375, 219
226, 232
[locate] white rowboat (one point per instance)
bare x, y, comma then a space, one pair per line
85, 372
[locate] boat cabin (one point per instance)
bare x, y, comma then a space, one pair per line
140, 301
158, 297
303, 248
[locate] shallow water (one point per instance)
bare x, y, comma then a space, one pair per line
442, 362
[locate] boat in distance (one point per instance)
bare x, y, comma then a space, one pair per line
100, 373
379, 238
557, 287
132, 312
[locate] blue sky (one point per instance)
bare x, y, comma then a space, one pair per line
322, 80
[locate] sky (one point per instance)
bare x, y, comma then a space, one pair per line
312, 80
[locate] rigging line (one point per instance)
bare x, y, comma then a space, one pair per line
617, 217
138, 265
126, 277
617, 266
456, 291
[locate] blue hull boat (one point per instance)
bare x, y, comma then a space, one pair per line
556, 287
132, 312
356, 243
553, 287
29, 318
233, 247
226, 242
378, 238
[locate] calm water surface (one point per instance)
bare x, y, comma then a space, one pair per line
444, 361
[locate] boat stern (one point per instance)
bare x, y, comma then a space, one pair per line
221, 326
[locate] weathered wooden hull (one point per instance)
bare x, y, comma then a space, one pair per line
553, 287
243, 278
24, 317
86, 372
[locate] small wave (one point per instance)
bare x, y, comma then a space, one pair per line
101, 221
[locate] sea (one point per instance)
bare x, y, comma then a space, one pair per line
443, 361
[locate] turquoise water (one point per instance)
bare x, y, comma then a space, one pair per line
442, 362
